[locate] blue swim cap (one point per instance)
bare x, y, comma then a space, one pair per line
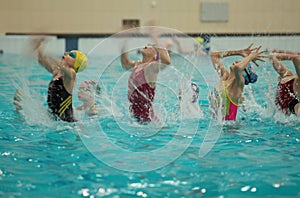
249, 75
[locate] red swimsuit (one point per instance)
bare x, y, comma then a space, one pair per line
284, 96
140, 96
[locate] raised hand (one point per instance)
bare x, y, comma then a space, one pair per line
256, 55
37, 42
247, 51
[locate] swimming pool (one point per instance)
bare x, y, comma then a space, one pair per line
256, 156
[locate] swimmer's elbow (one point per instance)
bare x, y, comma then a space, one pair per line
167, 62
272, 56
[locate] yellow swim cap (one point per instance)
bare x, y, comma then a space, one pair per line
81, 61
200, 40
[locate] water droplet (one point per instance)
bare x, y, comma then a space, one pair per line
253, 189
276, 185
245, 188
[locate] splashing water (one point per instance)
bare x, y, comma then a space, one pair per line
32, 103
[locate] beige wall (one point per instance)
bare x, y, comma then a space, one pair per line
105, 16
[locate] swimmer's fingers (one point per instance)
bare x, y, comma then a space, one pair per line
245, 52
261, 59
258, 59
175, 38
255, 49
37, 42
254, 61
258, 48
250, 46
264, 51
264, 56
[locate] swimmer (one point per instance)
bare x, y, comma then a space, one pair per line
60, 89
232, 82
86, 92
142, 81
287, 97
197, 47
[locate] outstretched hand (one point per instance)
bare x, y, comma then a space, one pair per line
37, 42
257, 55
247, 51
176, 39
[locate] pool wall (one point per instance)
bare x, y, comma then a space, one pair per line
19, 44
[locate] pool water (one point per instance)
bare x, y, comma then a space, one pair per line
258, 156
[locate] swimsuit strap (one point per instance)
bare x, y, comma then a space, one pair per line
227, 95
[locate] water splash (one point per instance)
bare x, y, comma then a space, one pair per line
32, 102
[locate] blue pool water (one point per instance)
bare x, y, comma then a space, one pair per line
112, 156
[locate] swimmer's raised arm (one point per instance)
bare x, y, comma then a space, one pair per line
50, 64
180, 48
284, 56
296, 62
163, 53
225, 53
216, 58
127, 64
163, 60
164, 56
240, 66
280, 68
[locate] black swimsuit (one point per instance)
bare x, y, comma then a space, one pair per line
60, 101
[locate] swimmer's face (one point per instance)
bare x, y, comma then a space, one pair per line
149, 51
69, 58
84, 93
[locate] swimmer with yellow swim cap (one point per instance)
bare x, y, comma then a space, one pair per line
60, 89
